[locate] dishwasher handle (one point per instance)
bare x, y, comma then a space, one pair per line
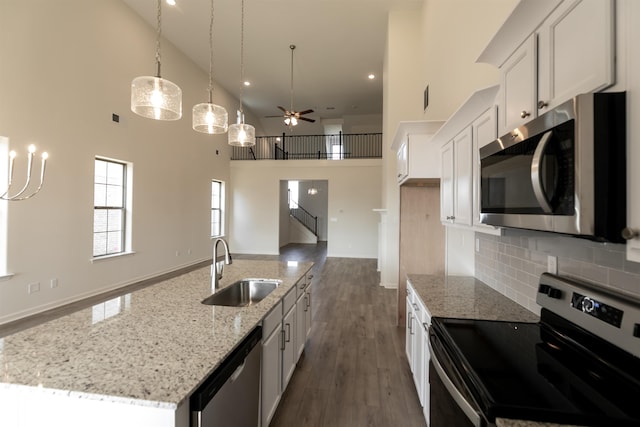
231, 367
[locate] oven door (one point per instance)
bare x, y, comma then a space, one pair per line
451, 403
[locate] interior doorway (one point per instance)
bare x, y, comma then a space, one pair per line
303, 211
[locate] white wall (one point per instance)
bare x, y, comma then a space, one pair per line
66, 67
283, 231
353, 191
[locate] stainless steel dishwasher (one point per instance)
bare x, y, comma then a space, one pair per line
231, 394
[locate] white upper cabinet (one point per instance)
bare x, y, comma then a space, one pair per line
517, 98
463, 178
575, 51
485, 130
417, 156
569, 51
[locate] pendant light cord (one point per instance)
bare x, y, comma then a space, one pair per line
292, 47
211, 56
158, 34
241, 58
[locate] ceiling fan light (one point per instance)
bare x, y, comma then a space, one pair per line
156, 98
210, 118
242, 135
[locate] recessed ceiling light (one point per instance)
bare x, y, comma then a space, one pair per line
171, 2
247, 83
371, 76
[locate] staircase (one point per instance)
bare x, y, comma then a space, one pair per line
304, 224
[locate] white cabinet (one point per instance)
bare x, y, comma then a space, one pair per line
409, 327
575, 51
289, 353
416, 341
517, 97
403, 161
456, 184
484, 130
303, 314
271, 372
417, 158
571, 52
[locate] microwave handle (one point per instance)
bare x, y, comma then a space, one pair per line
536, 178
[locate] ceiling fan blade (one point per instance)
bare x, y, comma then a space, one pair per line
307, 120
305, 111
279, 116
282, 108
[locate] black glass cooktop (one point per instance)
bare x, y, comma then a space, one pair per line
531, 371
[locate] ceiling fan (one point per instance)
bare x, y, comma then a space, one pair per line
292, 117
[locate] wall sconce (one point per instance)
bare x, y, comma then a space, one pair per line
19, 195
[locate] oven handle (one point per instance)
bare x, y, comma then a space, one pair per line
536, 177
466, 407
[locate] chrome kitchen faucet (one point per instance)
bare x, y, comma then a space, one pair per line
218, 264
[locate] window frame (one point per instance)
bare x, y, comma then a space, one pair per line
220, 208
125, 202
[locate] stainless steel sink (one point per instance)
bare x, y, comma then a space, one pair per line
243, 292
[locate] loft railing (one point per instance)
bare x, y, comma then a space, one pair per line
315, 147
304, 217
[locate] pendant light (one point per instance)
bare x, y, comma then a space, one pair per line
208, 117
242, 134
155, 97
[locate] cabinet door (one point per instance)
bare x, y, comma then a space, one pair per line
288, 347
403, 161
426, 356
462, 177
308, 312
417, 350
301, 320
518, 96
408, 339
485, 130
575, 51
271, 375
446, 183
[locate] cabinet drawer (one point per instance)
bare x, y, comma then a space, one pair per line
272, 320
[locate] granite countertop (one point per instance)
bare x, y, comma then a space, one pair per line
466, 298
152, 347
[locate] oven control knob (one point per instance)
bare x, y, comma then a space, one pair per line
544, 289
636, 330
588, 305
554, 293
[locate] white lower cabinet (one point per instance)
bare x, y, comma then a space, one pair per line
417, 346
271, 384
284, 333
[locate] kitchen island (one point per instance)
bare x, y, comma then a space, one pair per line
135, 359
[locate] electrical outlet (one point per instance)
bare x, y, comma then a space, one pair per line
552, 264
477, 245
177, 253
189, 251
53, 283
33, 287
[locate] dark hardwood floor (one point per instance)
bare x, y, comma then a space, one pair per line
353, 371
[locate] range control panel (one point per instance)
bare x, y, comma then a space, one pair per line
597, 309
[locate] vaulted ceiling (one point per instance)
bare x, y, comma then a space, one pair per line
338, 44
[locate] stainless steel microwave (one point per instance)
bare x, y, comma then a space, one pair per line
563, 172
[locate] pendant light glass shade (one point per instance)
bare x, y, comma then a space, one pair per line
156, 98
242, 135
152, 96
210, 118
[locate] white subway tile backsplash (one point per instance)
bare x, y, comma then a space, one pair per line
512, 263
